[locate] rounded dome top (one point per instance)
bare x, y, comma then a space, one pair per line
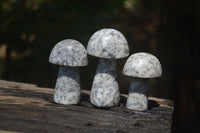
142, 65
69, 53
108, 43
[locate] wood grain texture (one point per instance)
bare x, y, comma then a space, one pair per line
29, 109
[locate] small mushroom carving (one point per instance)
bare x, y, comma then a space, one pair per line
69, 54
108, 45
140, 66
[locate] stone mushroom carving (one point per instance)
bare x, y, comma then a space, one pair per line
69, 54
140, 66
108, 45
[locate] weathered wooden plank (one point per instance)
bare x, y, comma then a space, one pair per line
28, 108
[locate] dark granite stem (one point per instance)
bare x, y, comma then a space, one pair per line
139, 85
107, 66
67, 90
105, 89
137, 97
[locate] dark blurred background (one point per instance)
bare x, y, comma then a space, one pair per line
169, 29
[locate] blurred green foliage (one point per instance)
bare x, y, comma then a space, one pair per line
37, 25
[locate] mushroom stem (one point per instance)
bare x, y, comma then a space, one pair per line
105, 89
137, 97
67, 90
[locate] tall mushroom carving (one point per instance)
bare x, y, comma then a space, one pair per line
108, 45
69, 54
140, 66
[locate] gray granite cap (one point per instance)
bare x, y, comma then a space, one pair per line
142, 65
108, 43
69, 53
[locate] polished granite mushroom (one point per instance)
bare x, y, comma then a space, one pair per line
141, 67
108, 45
70, 55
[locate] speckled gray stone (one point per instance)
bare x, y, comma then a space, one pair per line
105, 90
108, 43
140, 66
67, 90
69, 54
137, 97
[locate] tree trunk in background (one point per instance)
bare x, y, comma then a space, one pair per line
178, 48
7, 71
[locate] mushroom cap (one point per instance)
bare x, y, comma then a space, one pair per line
142, 65
69, 53
108, 43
